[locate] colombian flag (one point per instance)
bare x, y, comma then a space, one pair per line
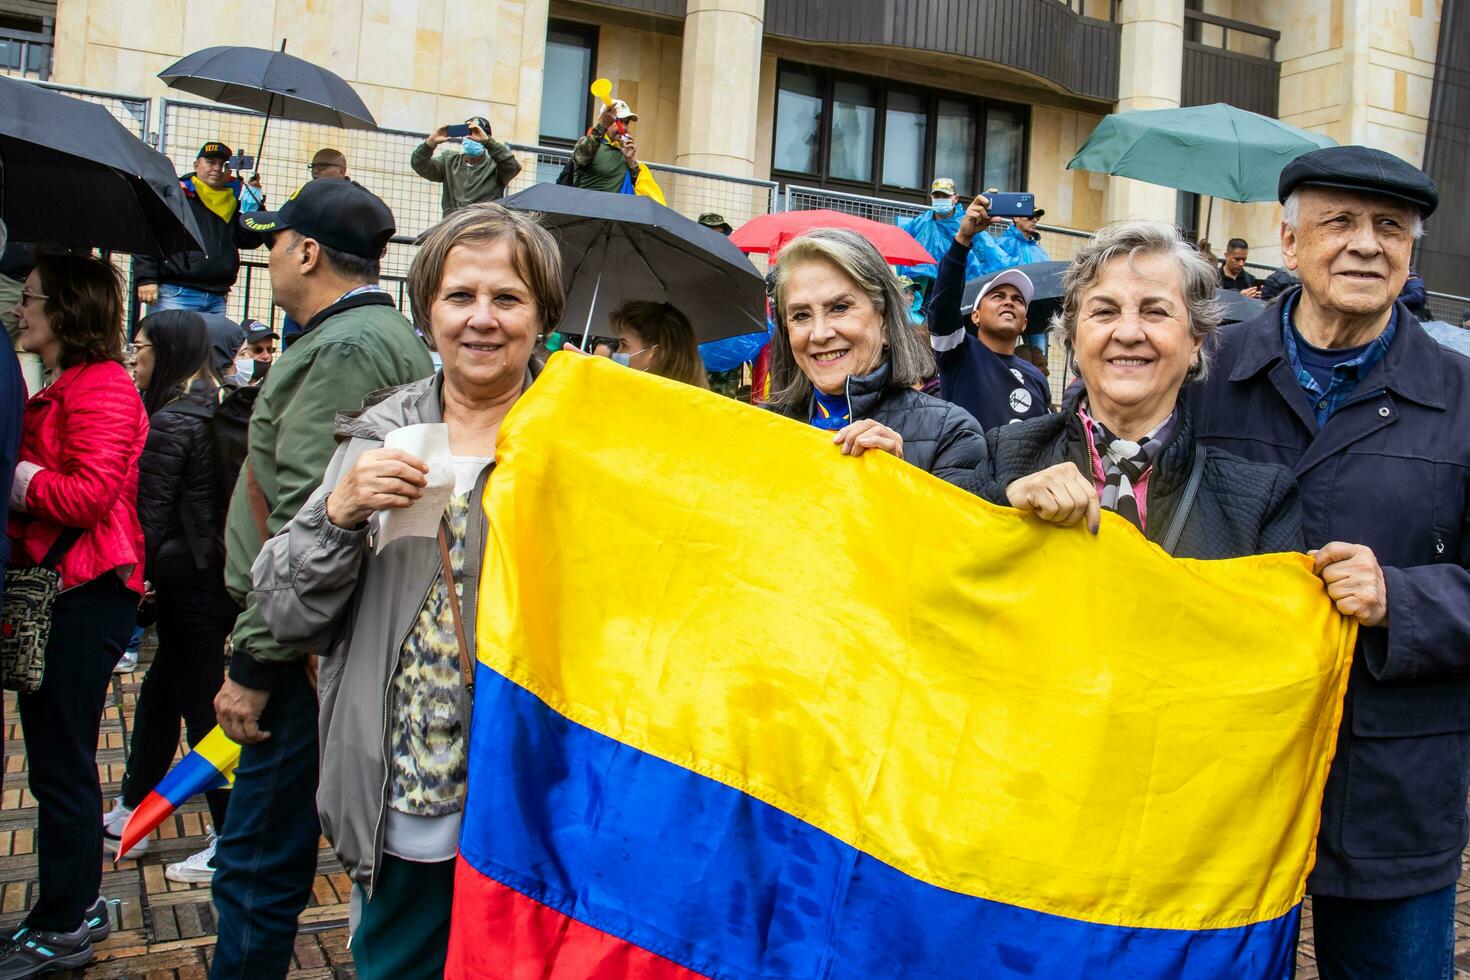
830, 717
209, 765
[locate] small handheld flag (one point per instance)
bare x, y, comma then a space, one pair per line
210, 765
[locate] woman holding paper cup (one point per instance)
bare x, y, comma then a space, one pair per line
379, 574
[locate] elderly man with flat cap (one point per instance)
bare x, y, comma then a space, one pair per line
1339, 382
325, 246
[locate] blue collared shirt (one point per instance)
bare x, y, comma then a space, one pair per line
1345, 376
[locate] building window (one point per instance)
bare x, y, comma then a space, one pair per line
858, 134
566, 99
905, 129
25, 45
798, 122
1005, 148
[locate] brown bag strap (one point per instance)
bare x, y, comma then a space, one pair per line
454, 610
260, 508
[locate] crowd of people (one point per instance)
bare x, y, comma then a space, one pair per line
1331, 423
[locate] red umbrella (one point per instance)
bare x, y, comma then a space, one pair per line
769, 233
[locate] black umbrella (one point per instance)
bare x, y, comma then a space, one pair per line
1046, 296
75, 176
1238, 308
618, 247
272, 82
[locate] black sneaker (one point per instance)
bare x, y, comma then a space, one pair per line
99, 926
32, 952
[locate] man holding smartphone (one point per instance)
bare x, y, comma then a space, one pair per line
480, 171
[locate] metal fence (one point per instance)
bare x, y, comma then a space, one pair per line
379, 160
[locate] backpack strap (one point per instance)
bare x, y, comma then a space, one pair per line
1186, 499
465, 667
68, 537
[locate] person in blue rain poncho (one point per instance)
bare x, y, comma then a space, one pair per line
1022, 241
935, 229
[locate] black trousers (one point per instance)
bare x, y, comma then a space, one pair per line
195, 616
89, 629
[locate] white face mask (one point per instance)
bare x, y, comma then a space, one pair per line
245, 367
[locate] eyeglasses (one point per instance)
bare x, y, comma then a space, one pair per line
315, 167
26, 296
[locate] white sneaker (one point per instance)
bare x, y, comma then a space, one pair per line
127, 663
113, 822
196, 868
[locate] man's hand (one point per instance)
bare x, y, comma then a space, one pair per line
976, 220
1253, 292
1059, 494
238, 709
438, 136
148, 293
479, 135
1354, 581
607, 117
630, 152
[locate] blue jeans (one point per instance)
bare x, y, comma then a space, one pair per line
267, 855
1391, 939
171, 297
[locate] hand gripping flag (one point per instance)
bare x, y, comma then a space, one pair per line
209, 765
749, 708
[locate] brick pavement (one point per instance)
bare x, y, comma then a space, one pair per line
163, 930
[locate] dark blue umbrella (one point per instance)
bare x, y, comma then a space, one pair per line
73, 175
272, 82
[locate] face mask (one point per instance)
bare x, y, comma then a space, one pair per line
244, 368
626, 358
472, 149
943, 208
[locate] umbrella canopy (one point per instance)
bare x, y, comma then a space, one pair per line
1238, 308
769, 233
272, 82
1215, 150
75, 176
618, 247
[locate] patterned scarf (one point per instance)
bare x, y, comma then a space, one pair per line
830, 412
1125, 464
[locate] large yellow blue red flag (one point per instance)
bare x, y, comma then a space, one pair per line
748, 708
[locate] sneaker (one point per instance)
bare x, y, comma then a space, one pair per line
113, 822
127, 663
32, 952
196, 868
99, 926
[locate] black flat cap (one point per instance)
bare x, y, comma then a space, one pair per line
1360, 168
336, 212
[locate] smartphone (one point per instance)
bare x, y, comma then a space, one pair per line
241, 162
1006, 205
460, 130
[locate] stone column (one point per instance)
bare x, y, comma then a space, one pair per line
718, 95
1151, 63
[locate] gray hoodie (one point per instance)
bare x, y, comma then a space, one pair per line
320, 588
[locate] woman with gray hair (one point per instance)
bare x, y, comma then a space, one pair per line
1137, 312
846, 360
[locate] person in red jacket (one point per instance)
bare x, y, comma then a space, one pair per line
75, 492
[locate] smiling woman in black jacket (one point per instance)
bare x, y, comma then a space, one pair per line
846, 360
181, 505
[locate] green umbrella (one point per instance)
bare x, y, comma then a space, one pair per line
1215, 150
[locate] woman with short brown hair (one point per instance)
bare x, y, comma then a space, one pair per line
74, 508
395, 625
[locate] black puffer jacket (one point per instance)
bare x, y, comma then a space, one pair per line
938, 437
1241, 508
178, 473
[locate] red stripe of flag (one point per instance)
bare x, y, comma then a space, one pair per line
526, 940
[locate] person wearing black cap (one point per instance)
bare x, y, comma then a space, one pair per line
325, 246
1340, 383
253, 361
201, 280
481, 171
